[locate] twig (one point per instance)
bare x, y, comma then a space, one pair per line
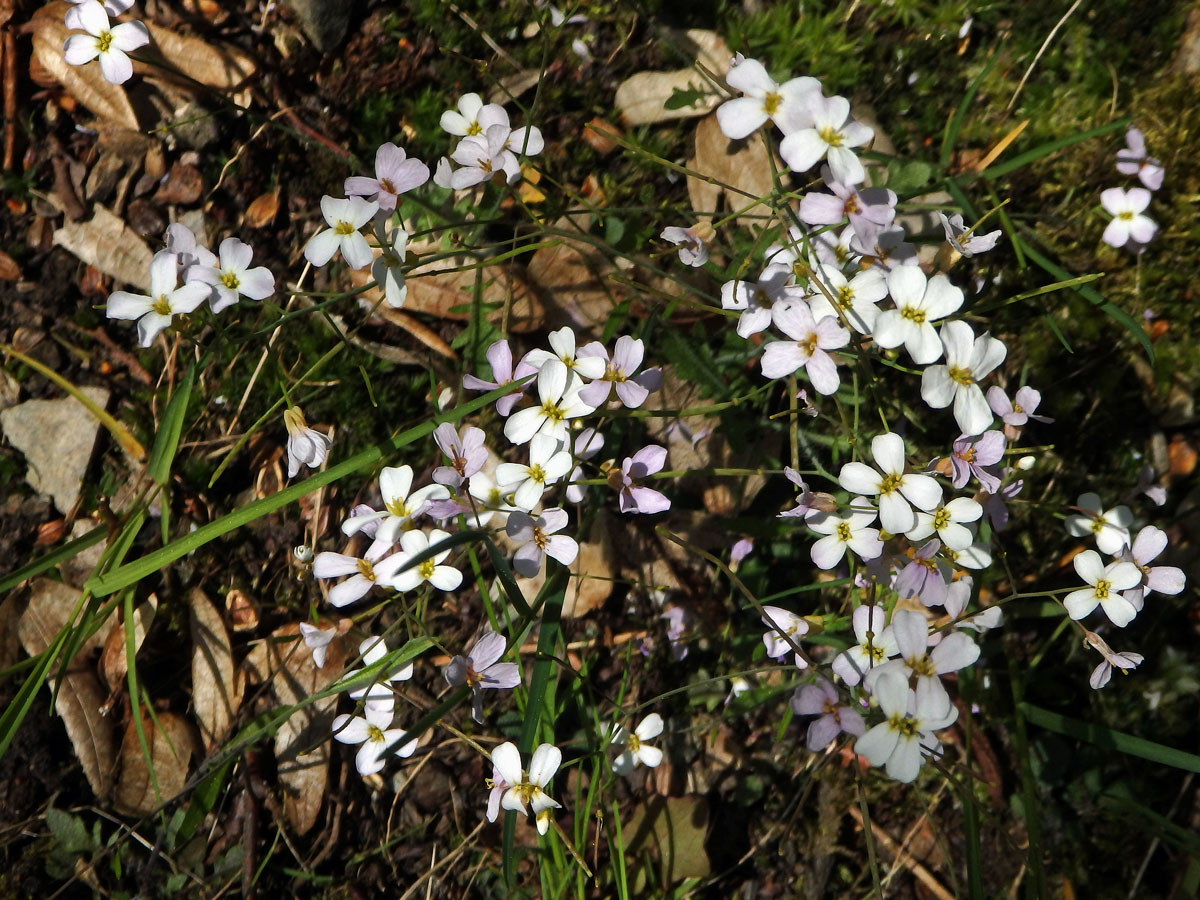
1041, 50
902, 857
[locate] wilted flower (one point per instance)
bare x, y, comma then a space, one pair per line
305, 446
966, 244
693, 249
784, 631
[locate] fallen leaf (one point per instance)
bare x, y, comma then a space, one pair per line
642, 98
9, 270
601, 135
1182, 456
576, 279
740, 168
80, 694
106, 242
184, 184
114, 660
592, 574
262, 209
171, 741
219, 66
302, 743
85, 83
216, 691
437, 288
674, 828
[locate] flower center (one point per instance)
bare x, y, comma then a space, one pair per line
425, 569
941, 519
961, 376
344, 228
830, 136
613, 374
771, 103
386, 184
398, 508
634, 744
555, 414
913, 314
852, 207
366, 570
375, 735
537, 473
808, 346
1097, 525
540, 538
845, 296
474, 128
905, 726
843, 531
890, 483
484, 164
831, 709
104, 41
161, 306
230, 280
1125, 216
1102, 589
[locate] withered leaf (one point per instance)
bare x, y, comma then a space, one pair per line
592, 574
437, 288
262, 209
106, 242
216, 691
642, 98
9, 270
217, 66
740, 167
171, 742
114, 660
577, 280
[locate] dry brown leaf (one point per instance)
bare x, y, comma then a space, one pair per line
114, 661
106, 242
435, 291
216, 691
262, 209
592, 574
9, 270
171, 742
576, 280
302, 744
85, 83
740, 167
641, 99
217, 66
80, 695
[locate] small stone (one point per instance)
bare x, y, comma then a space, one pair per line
56, 437
324, 22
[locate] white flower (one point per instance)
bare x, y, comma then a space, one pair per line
919, 303
114, 8
786, 104
305, 447
966, 244
958, 595
444, 578
854, 298
399, 506
371, 569
378, 693
233, 277
636, 749
912, 717
895, 489
693, 247
317, 640
472, 116
1111, 527
875, 646
548, 463
109, 43
373, 730
755, 299
947, 521
1134, 161
1149, 543
1105, 584
968, 360
830, 135
480, 158
166, 299
911, 631
1127, 208
1123, 660
344, 217
562, 344
388, 267
528, 788
809, 341
538, 540
785, 629
849, 529
559, 400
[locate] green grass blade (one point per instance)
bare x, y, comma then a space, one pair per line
166, 442
1103, 736
131, 573
954, 126
1049, 147
53, 558
507, 581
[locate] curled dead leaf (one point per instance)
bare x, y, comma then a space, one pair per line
106, 242
262, 209
642, 98
216, 690
172, 742
219, 66
85, 83
576, 279
114, 659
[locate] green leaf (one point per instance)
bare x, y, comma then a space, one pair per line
681, 98
70, 834
166, 442
907, 178
1102, 736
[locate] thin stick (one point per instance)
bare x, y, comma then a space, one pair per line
1041, 50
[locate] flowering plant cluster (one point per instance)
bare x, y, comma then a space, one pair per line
841, 300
